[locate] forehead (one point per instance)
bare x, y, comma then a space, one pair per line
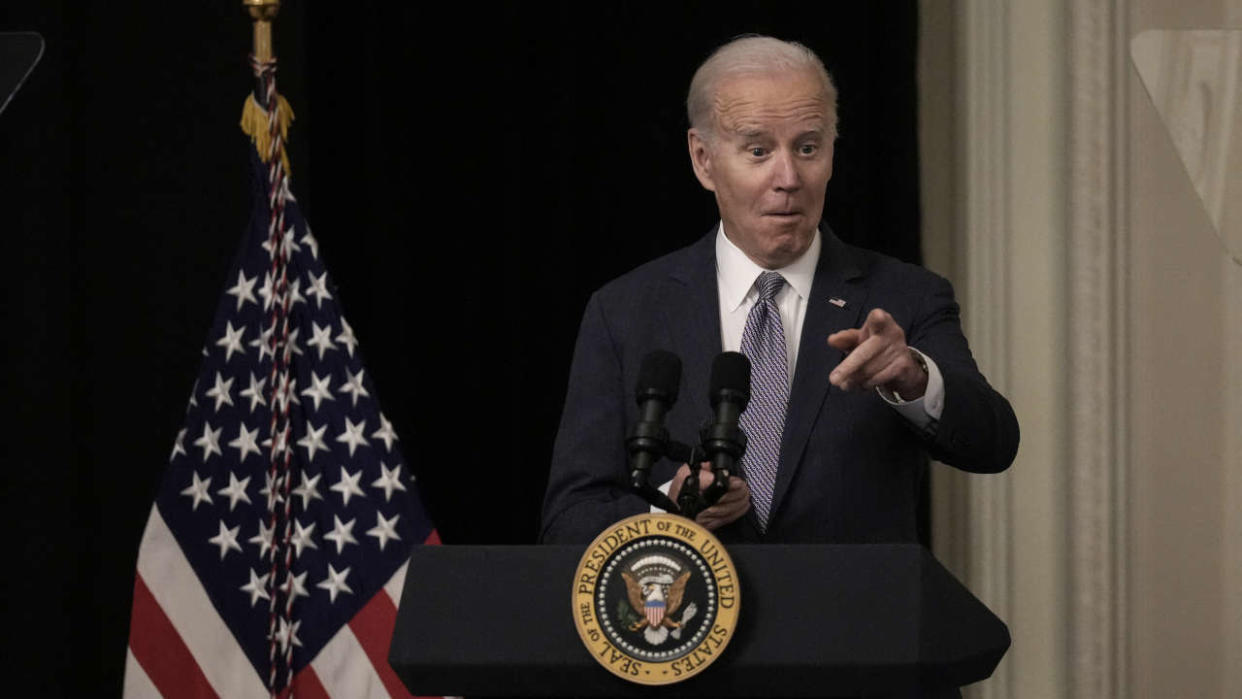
771, 101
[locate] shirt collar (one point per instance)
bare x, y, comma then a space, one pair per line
737, 272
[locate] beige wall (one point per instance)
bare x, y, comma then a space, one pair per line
1099, 296
1184, 315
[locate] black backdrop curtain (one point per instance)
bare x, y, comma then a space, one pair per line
471, 173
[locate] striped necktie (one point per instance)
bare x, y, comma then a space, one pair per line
763, 342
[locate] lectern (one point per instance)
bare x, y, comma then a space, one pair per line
816, 620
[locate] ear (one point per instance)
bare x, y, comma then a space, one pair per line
701, 159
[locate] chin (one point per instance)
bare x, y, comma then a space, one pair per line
787, 248
780, 257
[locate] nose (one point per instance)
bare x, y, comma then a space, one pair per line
785, 176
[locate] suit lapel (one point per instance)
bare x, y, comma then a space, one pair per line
836, 302
692, 313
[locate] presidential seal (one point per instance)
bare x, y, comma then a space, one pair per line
655, 598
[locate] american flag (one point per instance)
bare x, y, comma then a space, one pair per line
275, 565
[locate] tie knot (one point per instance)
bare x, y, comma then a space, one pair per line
769, 283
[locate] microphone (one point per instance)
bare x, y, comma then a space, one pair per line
659, 380
724, 442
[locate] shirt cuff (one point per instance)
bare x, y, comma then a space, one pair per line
923, 412
664, 488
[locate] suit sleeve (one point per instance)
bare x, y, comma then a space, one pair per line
977, 430
586, 484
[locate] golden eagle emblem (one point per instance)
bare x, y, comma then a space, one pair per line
655, 587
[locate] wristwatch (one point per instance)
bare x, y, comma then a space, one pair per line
918, 359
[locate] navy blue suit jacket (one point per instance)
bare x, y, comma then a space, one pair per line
850, 465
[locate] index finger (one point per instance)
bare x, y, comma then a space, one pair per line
845, 340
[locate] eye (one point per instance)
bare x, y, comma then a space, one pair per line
757, 151
808, 149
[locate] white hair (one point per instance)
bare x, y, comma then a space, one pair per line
748, 55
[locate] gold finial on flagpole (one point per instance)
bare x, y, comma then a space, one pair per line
263, 12
266, 113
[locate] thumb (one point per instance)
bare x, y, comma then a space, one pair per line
876, 321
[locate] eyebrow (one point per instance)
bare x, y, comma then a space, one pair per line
752, 133
748, 133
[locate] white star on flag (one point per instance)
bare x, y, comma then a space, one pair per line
226, 540
353, 384
232, 340
319, 289
390, 481
292, 347
335, 582
319, 389
308, 489
178, 448
298, 583
243, 290
198, 490
222, 391
341, 534
288, 393
288, 633
271, 490
235, 490
311, 243
353, 435
321, 339
295, 296
384, 529
257, 587
265, 291
280, 443
303, 538
347, 337
255, 392
385, 433
313, 441
263, 538
245, 442
209, 442
263, 343
348, 485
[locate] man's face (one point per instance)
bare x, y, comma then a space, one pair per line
768, 160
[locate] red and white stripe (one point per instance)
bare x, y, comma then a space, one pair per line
655, 613
180, 647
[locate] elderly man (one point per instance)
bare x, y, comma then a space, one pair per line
859, 366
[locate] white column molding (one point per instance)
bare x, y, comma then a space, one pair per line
1097, 254
972, 515
1232, 419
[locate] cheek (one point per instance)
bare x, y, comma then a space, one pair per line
747, 194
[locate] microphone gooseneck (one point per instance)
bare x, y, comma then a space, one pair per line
659, 380
723, 442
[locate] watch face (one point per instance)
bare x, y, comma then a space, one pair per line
918, 359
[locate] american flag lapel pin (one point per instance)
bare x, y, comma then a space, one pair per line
838, 302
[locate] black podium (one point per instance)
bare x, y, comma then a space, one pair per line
862, 620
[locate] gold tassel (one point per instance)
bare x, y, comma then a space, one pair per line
254, 124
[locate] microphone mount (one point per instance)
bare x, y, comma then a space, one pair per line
721, 442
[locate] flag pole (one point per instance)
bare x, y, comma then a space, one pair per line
262, 12
255, 117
